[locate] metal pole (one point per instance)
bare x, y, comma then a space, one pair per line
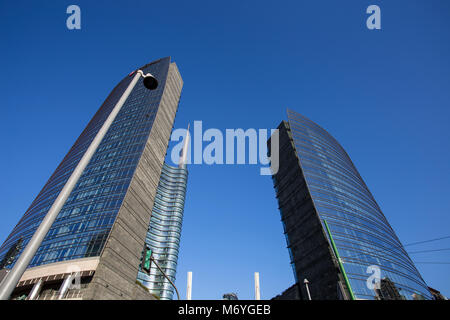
35, 291
307, 288
165, 275
65, 286
189, 286
13, 277
257, 293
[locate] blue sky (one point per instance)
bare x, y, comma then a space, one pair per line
383, 94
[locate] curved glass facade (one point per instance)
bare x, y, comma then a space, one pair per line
85, 220
164, 232
361, 232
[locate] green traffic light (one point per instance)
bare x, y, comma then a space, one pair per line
147, 259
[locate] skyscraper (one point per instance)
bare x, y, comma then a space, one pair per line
101, 229
335, 231
163, 236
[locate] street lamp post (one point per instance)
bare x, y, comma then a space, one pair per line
306, 282
13, 277
165, 276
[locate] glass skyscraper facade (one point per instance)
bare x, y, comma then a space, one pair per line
338, 195
85, 222
163, 236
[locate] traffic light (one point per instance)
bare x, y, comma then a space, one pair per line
146, 259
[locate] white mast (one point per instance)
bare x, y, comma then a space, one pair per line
189, 286
184, 151
257, 292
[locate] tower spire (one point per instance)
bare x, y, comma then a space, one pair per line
184, 151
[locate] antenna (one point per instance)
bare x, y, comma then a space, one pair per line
184, 151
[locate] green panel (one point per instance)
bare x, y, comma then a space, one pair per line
341, 266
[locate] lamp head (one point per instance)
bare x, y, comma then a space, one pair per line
150, 82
